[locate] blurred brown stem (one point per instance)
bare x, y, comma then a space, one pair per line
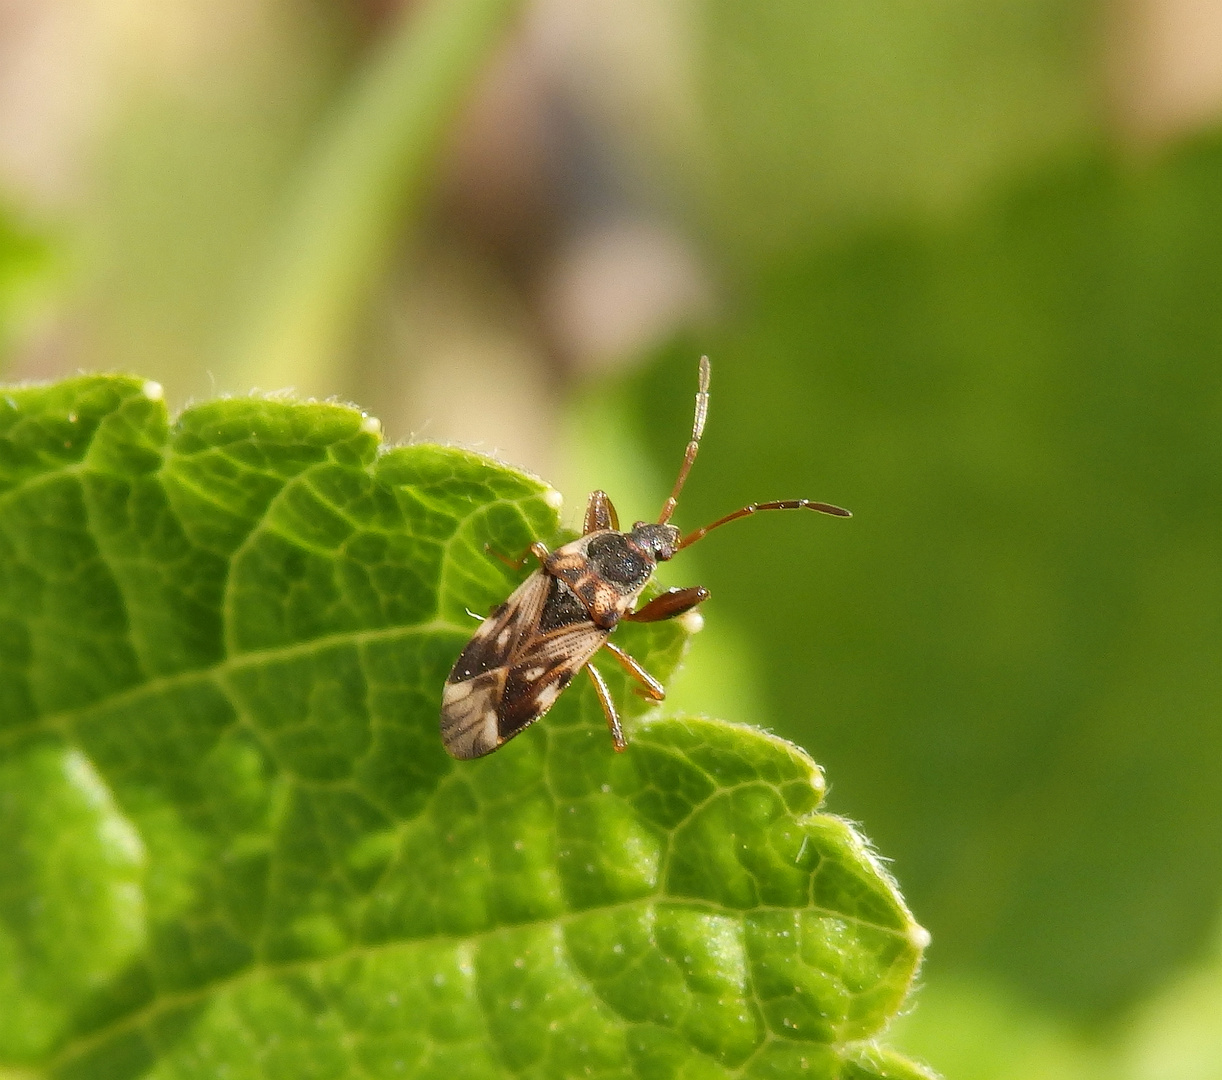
364, 178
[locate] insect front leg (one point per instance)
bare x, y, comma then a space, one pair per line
604, 697
669, 604
538, 550
600, 514
648, 687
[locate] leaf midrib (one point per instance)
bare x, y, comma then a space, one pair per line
63, 720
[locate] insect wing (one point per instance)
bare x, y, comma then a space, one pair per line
535, 680
477, 681
502, 634
514, 668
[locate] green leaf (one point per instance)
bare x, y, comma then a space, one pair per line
234, 846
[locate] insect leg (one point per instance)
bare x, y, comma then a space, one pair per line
669, 604
600, 513
536, 549
604, 697
650, 687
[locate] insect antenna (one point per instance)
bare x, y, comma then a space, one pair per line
693, 447
689, 457
755, 508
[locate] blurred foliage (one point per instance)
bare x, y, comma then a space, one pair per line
1008, 659
819, 117
26, 266
373, 162
978, 1029
767, 126
187, 183
1178, 1033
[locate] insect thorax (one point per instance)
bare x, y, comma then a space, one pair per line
606, 570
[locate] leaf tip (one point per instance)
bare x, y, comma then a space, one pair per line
553, 498
371, 425
154, 391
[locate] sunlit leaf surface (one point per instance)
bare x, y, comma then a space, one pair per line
233, 845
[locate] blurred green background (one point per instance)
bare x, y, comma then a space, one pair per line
958, 265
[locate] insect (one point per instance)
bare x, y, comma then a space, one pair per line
530, 647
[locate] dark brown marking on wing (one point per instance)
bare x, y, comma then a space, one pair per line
504, 631
542, 671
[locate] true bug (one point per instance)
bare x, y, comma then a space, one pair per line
528, 650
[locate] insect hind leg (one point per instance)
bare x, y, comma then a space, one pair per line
604, 698
647, 685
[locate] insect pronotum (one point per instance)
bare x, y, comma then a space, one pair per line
528, 650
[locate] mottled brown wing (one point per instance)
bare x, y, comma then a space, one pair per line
515, 666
